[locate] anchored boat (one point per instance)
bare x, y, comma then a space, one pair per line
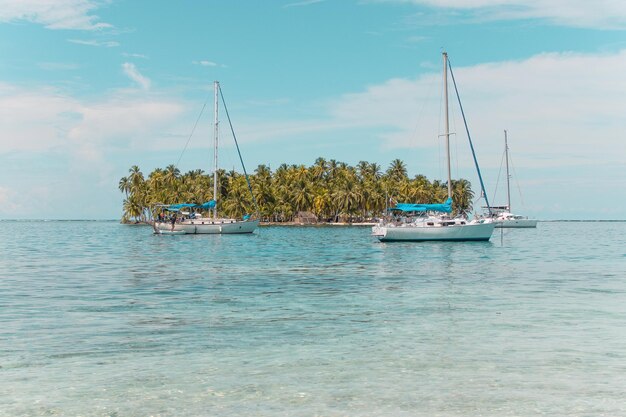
188, 218
432, 222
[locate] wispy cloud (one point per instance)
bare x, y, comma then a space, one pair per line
206, 63
131, 55
106, 44
562, 105
40, 120
85, 137
57, 14
601, 14
303, 3
133, 73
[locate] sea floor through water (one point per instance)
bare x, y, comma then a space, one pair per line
102, 319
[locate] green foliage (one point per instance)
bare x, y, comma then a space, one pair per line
332, 190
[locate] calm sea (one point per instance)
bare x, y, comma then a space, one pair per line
101, 319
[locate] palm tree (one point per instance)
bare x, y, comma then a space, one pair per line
261, 183
373, 171
439, 191
302, 196
330, 189
135, 177
124, 186
463, 196
422, 189
238, 201
347, 196
362, 169
319, 170
171, 175
397, 170
331, 170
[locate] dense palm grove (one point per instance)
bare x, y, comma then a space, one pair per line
333, 191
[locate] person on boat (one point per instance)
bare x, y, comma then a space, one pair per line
173, 221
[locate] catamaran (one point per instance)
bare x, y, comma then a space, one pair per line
502, 216
431, 222
191, 221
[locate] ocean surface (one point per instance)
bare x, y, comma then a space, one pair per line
102, 319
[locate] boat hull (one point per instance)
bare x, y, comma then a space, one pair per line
208, 227
423, 233
516, 223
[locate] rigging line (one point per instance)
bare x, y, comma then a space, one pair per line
499, 173
420, 114
480, 177
232, 130
193, 130
519, 189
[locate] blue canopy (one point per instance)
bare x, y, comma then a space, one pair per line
207, 205
407, 207
178, 207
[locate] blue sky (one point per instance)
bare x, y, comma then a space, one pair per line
89, 88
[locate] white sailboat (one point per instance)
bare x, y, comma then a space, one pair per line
435, 227
502, 216
211, 224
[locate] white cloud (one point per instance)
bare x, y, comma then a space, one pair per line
33, 120
106, 44
130, 55
123, 119
206, 63
67, 147
559, 108
57, 14
45, 119
133, 73
54, 147
603, 14
564, 112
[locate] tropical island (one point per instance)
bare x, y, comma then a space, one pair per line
329, 191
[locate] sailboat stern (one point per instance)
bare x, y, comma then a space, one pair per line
379, 231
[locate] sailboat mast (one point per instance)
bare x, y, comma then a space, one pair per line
216, 86
508, 176
446, 121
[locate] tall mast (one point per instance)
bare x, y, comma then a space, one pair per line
447, 125
216, 86
508, 176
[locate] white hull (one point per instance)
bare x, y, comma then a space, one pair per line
422, 231
508, 220
515, 223
206, 226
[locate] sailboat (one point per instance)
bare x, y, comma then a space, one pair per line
502, 216
432, 222
191, 221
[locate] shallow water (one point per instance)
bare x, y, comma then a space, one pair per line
101, 319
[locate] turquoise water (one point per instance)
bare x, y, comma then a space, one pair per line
101, 319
